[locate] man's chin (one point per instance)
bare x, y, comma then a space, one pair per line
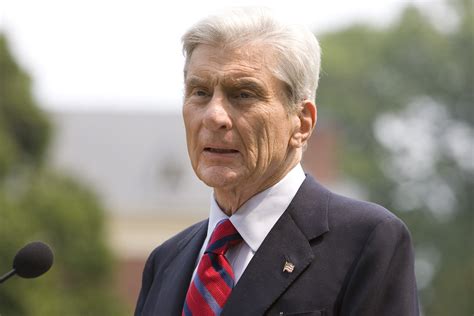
219, 178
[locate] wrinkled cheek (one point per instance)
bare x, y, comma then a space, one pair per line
192, 149
255, 161
250, 159
194, 160
264, 150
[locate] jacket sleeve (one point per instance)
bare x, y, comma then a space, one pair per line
147, 280
382, 281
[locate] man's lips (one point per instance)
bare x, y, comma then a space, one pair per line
216, 150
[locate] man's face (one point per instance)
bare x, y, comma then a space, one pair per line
237, 127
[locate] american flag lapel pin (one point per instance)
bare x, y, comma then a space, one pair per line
288, 267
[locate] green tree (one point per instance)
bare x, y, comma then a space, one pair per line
403, 99
39, 204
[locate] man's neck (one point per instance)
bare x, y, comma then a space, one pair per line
230, 200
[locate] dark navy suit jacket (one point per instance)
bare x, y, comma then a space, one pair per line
350, 258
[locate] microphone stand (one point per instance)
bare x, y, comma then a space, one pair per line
6, 276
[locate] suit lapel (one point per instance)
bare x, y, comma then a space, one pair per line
264, 279
177, 275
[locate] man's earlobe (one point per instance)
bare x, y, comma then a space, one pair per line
307, 117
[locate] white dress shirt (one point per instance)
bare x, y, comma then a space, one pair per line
255, 218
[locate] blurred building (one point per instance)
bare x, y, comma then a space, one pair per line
139, 166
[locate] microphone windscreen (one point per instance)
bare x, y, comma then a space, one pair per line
33, 260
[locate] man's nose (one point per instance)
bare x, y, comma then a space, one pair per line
217, 115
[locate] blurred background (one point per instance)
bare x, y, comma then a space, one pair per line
93, 158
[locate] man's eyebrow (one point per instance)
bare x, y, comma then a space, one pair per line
195, 81
228, 83
248, 83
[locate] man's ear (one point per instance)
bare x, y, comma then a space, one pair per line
306, 121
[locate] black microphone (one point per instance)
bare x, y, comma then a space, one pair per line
31, 261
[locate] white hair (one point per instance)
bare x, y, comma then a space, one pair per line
295, 48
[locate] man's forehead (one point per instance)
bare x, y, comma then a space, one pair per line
250, 51
231, 65
248, 57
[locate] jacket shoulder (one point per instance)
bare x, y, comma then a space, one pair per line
340, 212
362, 220
357, 212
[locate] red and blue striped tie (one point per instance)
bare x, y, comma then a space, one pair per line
214, 279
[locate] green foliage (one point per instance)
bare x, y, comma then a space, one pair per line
394, 93
38, 204
24, 129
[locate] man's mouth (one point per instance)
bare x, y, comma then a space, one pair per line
220, 150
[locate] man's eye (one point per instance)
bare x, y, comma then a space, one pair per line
200, 93
243, 95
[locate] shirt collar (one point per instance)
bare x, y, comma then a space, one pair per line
256, 217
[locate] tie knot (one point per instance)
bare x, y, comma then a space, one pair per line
223, 237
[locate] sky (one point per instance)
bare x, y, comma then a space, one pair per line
126, 55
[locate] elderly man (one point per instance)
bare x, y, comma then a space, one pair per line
276, 242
